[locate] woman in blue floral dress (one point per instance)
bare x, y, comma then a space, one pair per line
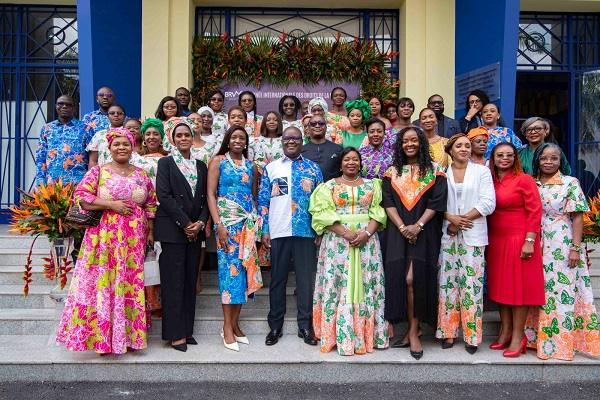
231, 199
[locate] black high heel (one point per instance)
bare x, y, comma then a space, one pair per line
416, 354
191, 341
447, 345
180, 347
470, 349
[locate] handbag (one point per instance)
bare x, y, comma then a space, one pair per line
151, 269
83, 218
79, 217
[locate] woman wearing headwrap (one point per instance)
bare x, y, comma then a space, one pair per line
104, 310
152, 151
358, 112
318, 106
152, 147
207, 131
180, 222
479, 137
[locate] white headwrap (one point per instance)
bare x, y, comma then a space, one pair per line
206, 108
318, 101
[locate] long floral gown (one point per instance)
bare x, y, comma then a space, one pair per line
104, 310
349, 299
238, 269
568, 322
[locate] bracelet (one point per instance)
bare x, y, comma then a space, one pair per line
575, 247
530, 240
369, 234
402, 227
421, 225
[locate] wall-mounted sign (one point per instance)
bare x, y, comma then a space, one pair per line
485, 78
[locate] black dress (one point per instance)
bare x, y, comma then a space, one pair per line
411, 201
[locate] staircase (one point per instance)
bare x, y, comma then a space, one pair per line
27, 351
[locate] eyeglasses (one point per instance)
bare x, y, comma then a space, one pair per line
504, 155
105, 95
216, 99
476, 101
436, 103
288, 139
534, 129
116, 113
65, 105
289, 105
317, 123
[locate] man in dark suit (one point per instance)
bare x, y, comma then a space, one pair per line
320, 150
446, 126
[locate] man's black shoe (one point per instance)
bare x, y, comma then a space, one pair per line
308, 336
273, 337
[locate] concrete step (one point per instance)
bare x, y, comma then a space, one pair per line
11, 296
13, 275
26, 358
12, 241
18, 256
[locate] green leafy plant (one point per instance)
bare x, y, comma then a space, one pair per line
287, 60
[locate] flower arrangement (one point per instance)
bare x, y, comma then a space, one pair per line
287, 60
591, 221
43, 212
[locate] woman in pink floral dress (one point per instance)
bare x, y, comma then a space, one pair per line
105, 310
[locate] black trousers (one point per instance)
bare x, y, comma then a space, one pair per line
303, 251
178, 262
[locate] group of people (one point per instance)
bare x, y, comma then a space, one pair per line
383, 220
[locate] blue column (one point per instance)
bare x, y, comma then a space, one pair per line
486, 34
110, 51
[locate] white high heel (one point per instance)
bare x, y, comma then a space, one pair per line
231, 346
241, 339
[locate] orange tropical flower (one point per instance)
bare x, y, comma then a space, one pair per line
43, 212
591, 220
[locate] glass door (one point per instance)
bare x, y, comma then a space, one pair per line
587, 135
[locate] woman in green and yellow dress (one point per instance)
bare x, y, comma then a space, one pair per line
348, 304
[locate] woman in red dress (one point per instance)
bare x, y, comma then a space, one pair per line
514, 272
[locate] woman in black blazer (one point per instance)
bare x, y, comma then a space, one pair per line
179, 226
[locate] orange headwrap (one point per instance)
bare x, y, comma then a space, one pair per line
479, 131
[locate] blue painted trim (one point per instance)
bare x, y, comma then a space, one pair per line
111, 51
18, 117
87, 91
573, 123
508, 63
499, 44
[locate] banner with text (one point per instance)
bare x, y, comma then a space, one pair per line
268, 95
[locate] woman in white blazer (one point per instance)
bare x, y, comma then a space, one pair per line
471, 198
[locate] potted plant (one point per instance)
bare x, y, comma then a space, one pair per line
43, 212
